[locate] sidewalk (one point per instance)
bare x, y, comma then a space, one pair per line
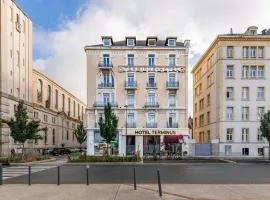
143, 192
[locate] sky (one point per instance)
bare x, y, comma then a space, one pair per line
63, 27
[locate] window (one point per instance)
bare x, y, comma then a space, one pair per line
208, 117
208, 100
245, 134
74, 108
196, 122
245, 151
18, 58
245, 93
196, 107
229, 134
260, 152
130, 42
172, 120
172, 100
45, 137
56, 99
201, 104
172, 61
151, 42
228, 150
260, 71
253, 70
106, 60
245, 72
252, 52
260, 52
260, 93
171, 42
63, 102
68, 106
260, 112
67, 135
229, 93
259, 136
131, 120
229, 113
151, 118
130, 80
131, 100
152, 98
245, 113
53, 137
229, 71
39, 90
151, 60
130, 60
45, 118
229, 52
151, 80
172, 79
201, 120
107, 42
245, 52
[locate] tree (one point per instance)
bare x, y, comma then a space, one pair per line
80, 134
265, 129
108, 124
23, 129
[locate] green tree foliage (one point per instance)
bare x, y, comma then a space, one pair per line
108, 124
23, 129
265, 128
80, 134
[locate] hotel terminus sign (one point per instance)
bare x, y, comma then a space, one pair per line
152, 69
152, 132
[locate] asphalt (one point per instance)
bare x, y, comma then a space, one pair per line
183, 173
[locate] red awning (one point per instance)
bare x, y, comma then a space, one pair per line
172, 139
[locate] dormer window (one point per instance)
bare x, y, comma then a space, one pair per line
130, 42
107, 42
152, 42
171, 42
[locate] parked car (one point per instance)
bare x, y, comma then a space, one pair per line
60, 151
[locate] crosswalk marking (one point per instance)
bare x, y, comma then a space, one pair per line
15, 171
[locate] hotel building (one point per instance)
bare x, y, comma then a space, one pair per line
20, 82
231, 93
145, 81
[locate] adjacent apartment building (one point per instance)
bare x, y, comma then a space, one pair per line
18, 81
231, 93
145, 81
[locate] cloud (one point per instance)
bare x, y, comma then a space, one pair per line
61, 54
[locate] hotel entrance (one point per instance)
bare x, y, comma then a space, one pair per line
151, 145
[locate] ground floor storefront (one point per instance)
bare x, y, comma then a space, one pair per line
146, 142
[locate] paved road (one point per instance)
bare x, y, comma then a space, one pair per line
192, 173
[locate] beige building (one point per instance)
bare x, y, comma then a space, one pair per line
230, 89
20, 82
145, 81
58, 110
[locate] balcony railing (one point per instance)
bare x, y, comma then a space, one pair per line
151, 125
131, 84
102, 104
106, 85
103, 65
151, 105
172, 125
131, 124
172, 84
151, 85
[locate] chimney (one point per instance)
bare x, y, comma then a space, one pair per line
231, 31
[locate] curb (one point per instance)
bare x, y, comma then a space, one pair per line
104, 163
34, 162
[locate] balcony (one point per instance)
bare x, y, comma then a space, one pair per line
131, 124
151, 85
103, 65
102, 104
172, 85
151, 105
105, 85
131, 84
172, 125
151, 125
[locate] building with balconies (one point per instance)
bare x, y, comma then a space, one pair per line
145, 81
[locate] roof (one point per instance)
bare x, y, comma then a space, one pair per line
140, 43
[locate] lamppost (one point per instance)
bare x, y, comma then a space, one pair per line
126, 107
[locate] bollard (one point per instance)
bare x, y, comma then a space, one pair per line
134, 178
87, 175
29, 175
159, 184
1, 174
58, 175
